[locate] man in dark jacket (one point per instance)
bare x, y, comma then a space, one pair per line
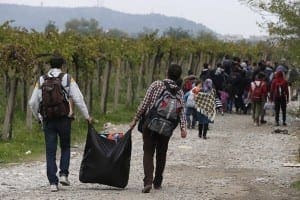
154, 141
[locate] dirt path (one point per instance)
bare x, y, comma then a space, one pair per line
237, 161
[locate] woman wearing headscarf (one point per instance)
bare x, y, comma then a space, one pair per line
205, 104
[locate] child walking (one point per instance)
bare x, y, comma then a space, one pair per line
206, 109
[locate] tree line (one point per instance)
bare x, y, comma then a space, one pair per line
111, 67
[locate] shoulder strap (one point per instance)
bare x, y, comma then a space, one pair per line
68, 80
39, 81
61, 75
172, 90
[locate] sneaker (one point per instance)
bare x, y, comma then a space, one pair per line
53, 188
157, 187
64, 180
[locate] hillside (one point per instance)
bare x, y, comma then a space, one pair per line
38, 17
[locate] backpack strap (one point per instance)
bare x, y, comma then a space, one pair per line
172, 90
39, 81
60, 76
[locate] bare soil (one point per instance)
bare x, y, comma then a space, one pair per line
237, 161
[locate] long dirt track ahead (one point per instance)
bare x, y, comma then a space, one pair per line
237, 161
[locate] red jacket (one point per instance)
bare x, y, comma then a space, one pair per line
279, 80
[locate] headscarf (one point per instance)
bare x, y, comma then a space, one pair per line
279, 76
207, 85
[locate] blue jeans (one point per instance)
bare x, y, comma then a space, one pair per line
188, 113
229, 105
58, 128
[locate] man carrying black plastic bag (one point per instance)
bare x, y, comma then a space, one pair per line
105, 161
154, 138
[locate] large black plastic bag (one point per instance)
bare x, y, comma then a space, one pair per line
105, 161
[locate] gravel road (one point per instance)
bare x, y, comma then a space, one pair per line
237, 161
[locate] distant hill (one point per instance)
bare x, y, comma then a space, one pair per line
38, 17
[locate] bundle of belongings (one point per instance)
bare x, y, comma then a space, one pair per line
205, 103
111, 132
106, 158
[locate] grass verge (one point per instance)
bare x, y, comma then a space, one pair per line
296, 185
29, 145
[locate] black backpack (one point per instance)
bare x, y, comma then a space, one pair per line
163, 117
54, 98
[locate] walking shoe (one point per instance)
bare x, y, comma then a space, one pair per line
263, 121
53, 188
147, 189
64, 180
157, 187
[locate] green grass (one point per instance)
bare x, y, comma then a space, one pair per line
296, 185
14, 151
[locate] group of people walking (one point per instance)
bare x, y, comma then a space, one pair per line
243, 86
193, 101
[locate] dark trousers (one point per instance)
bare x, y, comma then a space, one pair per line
54, 129
280, 104
202, 130
154, 142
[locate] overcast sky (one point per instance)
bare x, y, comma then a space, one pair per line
222, 16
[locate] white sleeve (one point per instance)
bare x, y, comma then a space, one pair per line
78, 99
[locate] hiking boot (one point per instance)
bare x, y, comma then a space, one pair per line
53, 188
64, 180
147, 189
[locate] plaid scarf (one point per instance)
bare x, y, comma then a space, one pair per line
205, 103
